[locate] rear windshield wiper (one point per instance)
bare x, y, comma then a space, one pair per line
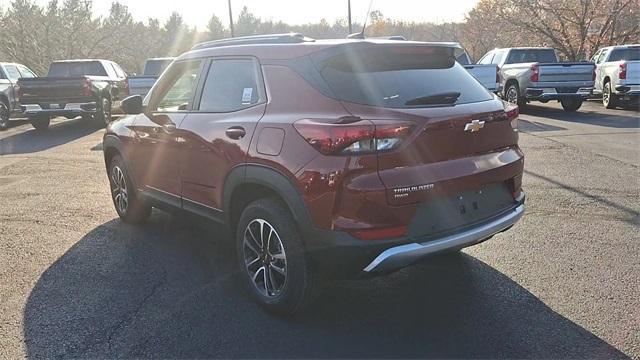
435, 99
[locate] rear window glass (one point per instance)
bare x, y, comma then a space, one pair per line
630, 54
402, 78
155, 67
532, 55
70, 69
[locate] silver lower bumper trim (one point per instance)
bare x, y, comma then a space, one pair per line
401, 256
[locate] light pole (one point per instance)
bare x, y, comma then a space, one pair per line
230, 19
348, 15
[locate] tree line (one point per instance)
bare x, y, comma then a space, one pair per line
35, 35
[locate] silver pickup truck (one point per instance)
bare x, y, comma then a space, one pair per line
536, 74
617, 74
9, 104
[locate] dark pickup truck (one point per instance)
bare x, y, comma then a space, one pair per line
88, 88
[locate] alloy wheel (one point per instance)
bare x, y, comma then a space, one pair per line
264, 257
119, 189
4, 115
512, 95
606, 94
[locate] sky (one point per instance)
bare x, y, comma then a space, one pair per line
198, 12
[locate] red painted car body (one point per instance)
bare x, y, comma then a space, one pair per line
448, 167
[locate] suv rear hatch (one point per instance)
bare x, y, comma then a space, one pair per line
460, 137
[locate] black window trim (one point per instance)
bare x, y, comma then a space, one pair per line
189, 108
262, 92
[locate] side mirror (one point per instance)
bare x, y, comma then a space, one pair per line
132, 105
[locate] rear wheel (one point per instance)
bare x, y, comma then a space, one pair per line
40, 123
130, 207
103, 114
512, 95
272, 258
4, 115
571, 105
608, 98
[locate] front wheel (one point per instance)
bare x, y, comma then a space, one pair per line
571, 105
4, 115
130, 207
272, 258
103, 115
40, 123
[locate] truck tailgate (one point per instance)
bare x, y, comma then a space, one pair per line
576, 72
49, 89
633, 72
485, 74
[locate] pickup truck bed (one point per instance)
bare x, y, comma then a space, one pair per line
57, 96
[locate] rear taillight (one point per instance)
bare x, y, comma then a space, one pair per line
535, 73
356, 138
513, 114
19, 91
498, 78
593, 75
622, 74
126, 88
86, 88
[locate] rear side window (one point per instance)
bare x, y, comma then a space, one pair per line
231, 85
77, 68
497, 59
518, 56
629, 54
486, 59
404, 77
25, 72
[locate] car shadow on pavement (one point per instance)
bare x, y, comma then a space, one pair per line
31, 141
166, 290
619, 119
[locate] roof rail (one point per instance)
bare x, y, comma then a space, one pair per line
289, 38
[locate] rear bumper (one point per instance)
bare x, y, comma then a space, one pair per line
401, 256
544, 94
628, 90
69, 110
338, 255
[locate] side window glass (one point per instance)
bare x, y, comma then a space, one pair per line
497, 58
25, 72
486, 59
12, 72
231, 85
176, 90
596, 57
603, 56
119, 71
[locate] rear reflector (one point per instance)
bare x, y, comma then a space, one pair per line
380, 234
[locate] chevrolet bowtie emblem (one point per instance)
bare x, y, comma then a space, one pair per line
474, 126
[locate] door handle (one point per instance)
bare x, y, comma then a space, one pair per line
236, 132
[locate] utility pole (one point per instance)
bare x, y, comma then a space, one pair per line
349, 16
230, 19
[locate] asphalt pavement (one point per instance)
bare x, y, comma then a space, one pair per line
77, 282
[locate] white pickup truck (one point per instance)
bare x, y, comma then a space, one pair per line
617, 74
535, 74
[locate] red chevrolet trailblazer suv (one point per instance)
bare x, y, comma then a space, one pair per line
326, 159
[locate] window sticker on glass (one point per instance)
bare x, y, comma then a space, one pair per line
247, 94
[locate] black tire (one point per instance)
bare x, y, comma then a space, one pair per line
5, 114
291, 291
609, 100
571, 105
40, 123
103, 114
512, 95
129, 205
